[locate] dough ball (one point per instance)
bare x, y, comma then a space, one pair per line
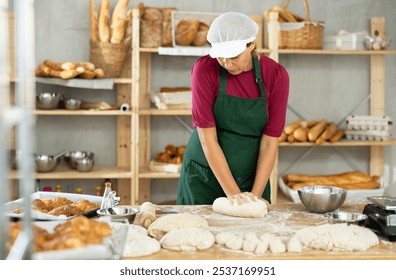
223, 237
277, 246
253, 209
170, 222
235, 243
137, 245
261, 247
250, 242
188, 239
294, 245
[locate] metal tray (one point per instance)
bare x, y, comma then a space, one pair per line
385, 202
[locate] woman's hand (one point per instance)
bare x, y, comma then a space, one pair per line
241, 198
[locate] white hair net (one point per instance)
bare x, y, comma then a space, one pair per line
229, 33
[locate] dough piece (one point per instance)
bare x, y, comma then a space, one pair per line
254, 209
170, 222
294, 245
277, 246
223, 237
188, 239
338, 237
137, 245
250, 243
235, 243
261, 247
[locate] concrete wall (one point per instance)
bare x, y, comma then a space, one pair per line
321, 86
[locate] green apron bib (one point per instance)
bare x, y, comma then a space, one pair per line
239, 123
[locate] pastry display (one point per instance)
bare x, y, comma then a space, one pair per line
172, 154
76, 233
60, 206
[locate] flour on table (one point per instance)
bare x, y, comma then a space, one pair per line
188, 239
338, 237
253, 209
170, 222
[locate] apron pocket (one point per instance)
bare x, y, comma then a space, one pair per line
200, 175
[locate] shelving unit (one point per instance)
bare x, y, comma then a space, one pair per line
142, 111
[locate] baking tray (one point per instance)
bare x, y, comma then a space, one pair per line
13, 205
385, 202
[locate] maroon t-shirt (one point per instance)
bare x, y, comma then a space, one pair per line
206, 82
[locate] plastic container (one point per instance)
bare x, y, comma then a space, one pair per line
344, 42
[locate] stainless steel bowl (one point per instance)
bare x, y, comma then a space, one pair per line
321, 199
345, 217
72, 156
119, 213
84, 164
72, 104
46, 163
46, 100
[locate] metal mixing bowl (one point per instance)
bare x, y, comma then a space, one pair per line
345, 217
46, 163
72, 156
46, 100
72, 104
321, 199
120, 213
84, 164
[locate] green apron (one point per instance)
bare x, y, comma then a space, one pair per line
239, 123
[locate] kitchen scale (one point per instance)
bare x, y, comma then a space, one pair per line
381, 216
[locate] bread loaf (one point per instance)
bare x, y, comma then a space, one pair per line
289, 129
87, 74
283, 137
337, 136
103, 24
118, 18
329, 131
185, 31
315, 131
167, 27
128, 28
93, 20
346, 177
284, 14
301, 134
200, 38
151, 28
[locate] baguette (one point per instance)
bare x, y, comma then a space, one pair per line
308, 124
346, 177
87, 65
337, 136
284, 14
93, 19
289, 129
118, 19
283, 137
290, 138
301, 134
147, 216
99, 73
369, 184
128, 28
316, 130
87, 74
329, 131
103, 25
68, 74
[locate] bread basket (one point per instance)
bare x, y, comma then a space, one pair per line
301, 35
110, 57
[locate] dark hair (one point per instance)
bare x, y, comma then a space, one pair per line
254, 51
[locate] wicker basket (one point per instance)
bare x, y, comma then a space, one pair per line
301, 35
110, 57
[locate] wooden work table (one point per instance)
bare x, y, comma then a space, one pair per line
283, 221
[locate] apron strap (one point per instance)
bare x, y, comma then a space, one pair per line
257, 73
223, 80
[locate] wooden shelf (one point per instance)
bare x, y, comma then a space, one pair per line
340, 143
81, 113
158, 112
99, 172
146, 173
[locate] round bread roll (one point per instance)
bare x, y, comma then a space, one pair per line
200, 38
186, 31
